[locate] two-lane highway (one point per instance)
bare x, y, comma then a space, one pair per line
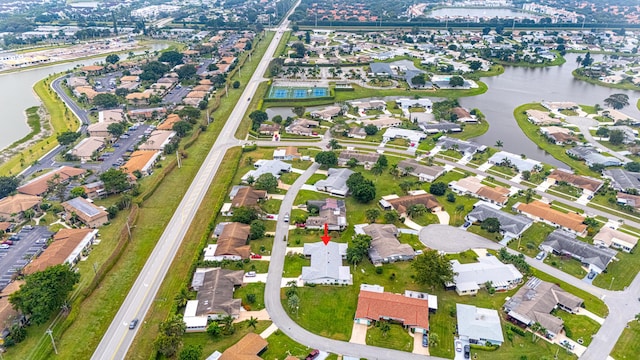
118, 338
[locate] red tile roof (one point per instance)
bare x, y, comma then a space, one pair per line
410, 311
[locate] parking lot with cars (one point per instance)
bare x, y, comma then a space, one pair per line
176, 95
26, 244
125, 143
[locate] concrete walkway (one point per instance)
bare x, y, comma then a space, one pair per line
269, 331
412, 225
589, 314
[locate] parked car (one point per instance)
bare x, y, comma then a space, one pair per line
286, 217
27, 228
250, 274
425, 340
14, 237
133, 323
466, 224
313, 354
540, 255
458, 346
567, 344
591, 275
256, 256
4, 246
467, 351
7, 242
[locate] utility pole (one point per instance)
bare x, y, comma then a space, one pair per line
50, 332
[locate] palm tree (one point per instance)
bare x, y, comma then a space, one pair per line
372, 214
377, 169
252, 322
182, 297
333, 143
250, 180
499, 144
416, 210
394, 170
293, 303
385, 328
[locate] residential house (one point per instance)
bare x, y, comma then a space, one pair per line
327, 113
335, 183
629, 200
402, 204
473, 186
326, 264
512, 160
385, 247
369, 105
511, 226
466, 148
147, 114
111, 116
99, 130
141, 160
138, 98
246, 196
406, 104
559, 135
214, 300
273, 167
40, 185
618, 116
157, 140
471, 277
562, 242
413, 136
248, 348
615, 239
168, 123
303, 127
94, 190
588, 185
332, 212
539, 211
87, 148
426, 173
381, 70
13, 207
86, 212
357, 132
479, 325
382, 122
365, 159
8, 315
86, 91
534, 301
559, 105
442, 126
541, 118
269, 129
463, 115
376, 305
629, 134
67, 247
592, 157
622, 180
232, 242
287, 154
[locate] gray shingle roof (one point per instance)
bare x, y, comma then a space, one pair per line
514, 224
564, 242
623, 179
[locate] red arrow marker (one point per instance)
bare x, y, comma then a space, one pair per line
326, 238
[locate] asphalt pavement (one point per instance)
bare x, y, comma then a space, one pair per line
176, 95
14, 257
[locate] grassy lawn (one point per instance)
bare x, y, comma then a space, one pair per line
289, 178
578, 326
470, 131
503, 170
481, 158
271, 206
451, 154
568, 265
476, 229
623, 271
556, 151
562, 207
465, 257
360, 92
454, 209
293, 264
522, 347
412, 240
589, 109
315, 178
221, 343
252, 288
532, 238
426, 219
396, 338
280, 346
628, 345
567, 190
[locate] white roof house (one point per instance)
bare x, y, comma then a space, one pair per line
273, 167
471, 277
335, 183
616, 239
326, 264
411, 135
479, 325
515, 160
408, 103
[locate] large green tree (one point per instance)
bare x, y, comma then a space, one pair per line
67, 137
169, 339
327, 158
8, 184
172, 57
362, 189
617, 101
115, 181
44, 292
112, 58
244, 215
105, 100
266, 182
432, 269
186, 71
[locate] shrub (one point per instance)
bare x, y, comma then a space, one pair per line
379, 270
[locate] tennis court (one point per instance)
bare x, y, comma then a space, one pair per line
289, 92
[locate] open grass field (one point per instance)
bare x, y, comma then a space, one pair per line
578, 327
628, 345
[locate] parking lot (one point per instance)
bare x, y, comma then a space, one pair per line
121, 146
30, 243
108, 82
176, 95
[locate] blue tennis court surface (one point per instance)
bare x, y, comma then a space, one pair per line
280, 92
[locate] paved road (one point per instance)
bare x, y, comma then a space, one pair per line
14, 257
118, 338
583, 124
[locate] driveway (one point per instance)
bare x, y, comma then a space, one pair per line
417, 345
451, 239
359, 334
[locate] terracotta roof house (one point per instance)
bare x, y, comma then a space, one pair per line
511, 226
471, 277
138, 98
215, 300
92, 69
540, 211
8, 315
232, 242
94, 190
479, 325
616, 239
168, 123
326, 264
99, 129
588, 185
423, 172
112, 115
385, 247
463, 115
157, 140
6, 226
141, 160
248, 348
147, 114
403, 203
332, 212
12, 207
412, 313
247, 196
538, 117
365, 159
39, 186
534, 302
67, 248
87, 148
88, 213
595, 258
473, 186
